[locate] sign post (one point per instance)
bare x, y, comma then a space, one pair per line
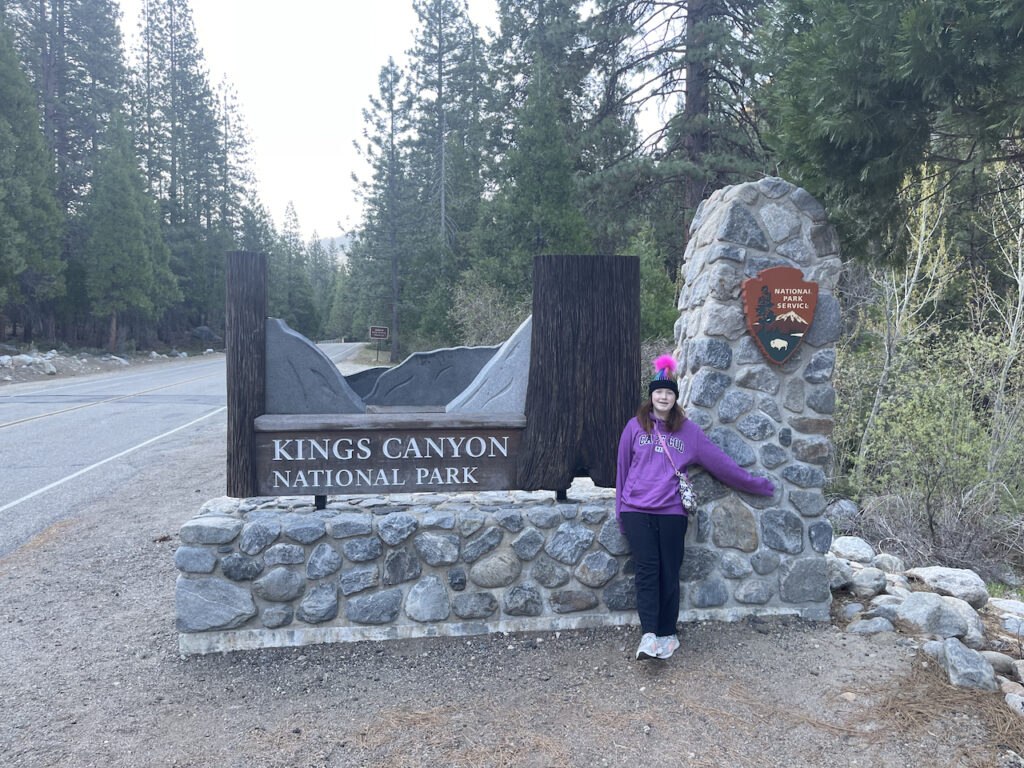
378, 332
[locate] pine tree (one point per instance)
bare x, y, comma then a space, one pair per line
30, 223
388, 213
444, 76
124, 254
339, 323
75, 58
445, 95
700, 59
321, 269
294, 291
864, 95
536, 211
193, 149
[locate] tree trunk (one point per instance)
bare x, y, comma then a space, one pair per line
697, 136
112, 343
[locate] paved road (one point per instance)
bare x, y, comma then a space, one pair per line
66, 442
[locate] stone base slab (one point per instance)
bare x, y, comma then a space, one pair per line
190, 644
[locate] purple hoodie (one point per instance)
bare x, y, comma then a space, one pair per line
645, 481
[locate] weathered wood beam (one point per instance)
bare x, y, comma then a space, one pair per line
245, 345
584, 368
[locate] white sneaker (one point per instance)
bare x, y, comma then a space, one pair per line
648, 648
666, 646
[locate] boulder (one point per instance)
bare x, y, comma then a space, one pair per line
975, 635
852, 548
840, 574
868, 582
956, 582
1004, 606
883, 606
1008, 686
1000, 662
966, 668
888, 563
925, 613
870, 626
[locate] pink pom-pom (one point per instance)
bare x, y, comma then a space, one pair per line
665, 362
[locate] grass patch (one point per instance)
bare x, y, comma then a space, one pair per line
367, 355
998, 589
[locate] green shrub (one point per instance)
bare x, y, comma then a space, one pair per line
941, 475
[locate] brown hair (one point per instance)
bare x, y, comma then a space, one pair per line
675, 419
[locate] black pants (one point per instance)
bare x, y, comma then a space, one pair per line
657, 544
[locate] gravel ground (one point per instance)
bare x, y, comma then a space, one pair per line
90, 675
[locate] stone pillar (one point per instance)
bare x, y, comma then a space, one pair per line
750, 554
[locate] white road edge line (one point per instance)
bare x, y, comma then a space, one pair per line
108, 459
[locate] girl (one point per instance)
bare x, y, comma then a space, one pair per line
655, 443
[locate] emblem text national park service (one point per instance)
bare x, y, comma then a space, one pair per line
779, 306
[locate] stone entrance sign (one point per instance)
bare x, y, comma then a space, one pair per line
379, 560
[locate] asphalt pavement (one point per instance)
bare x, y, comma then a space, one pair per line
65, 443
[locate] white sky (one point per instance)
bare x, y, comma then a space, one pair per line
304, 71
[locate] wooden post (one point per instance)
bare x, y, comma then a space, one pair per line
245, 339
584, 368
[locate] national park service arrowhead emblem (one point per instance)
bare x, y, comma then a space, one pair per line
779, 306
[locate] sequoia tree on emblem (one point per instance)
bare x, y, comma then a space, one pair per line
779, 306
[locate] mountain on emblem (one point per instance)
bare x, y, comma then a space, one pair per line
779, 307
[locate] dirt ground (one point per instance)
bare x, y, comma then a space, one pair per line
90, 675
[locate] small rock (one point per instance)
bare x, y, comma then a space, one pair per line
840, 574
852, 609
1015, 702
1009, 686
870, 626
1000, 662
888, 563
933, 648
966, 668
868, 582
852, 548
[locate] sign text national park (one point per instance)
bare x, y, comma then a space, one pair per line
386, 461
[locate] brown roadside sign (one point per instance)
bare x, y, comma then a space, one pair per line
779, 307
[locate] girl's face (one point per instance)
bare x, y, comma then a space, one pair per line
663, 400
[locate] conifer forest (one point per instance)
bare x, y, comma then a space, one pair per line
574, 126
